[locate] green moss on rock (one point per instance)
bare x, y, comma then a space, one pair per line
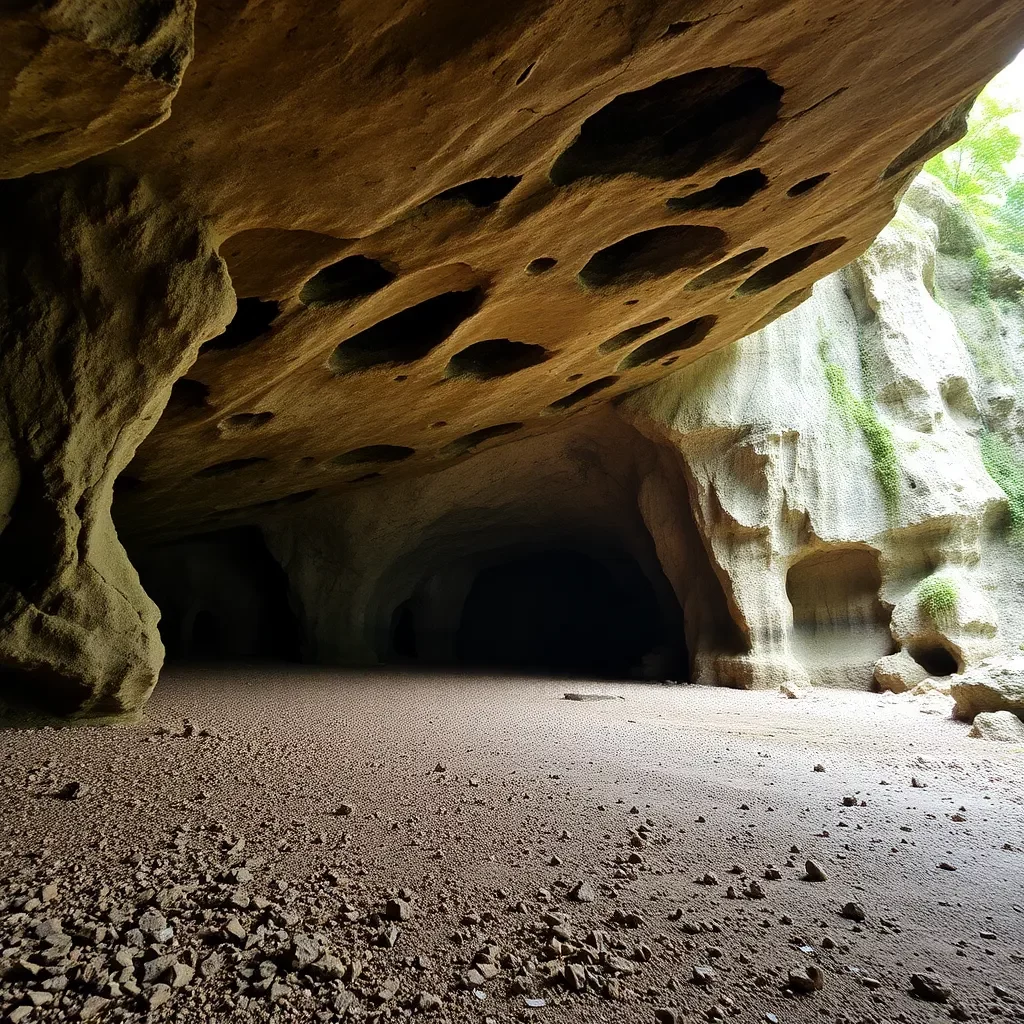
1006, 467
937, 598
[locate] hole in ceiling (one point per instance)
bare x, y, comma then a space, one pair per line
362, 479
374, 453
252, 318
187, 394
677, 28
240, 421
574, 376
231, 466
787, 266
526, 74
674, 128
581, 393
408, 335
629, 335
468, 442
807, 184
354, 277
727, 269
541, 265
679, 338
653, 254
723, 195
496, 357
480, 193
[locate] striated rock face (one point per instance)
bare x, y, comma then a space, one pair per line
107, 294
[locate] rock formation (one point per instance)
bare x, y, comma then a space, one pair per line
450, 228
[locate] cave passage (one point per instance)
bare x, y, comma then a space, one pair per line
559, 612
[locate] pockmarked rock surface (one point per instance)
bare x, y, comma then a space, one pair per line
450, 228
1002, 726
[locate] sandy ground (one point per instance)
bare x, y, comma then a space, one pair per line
476, 806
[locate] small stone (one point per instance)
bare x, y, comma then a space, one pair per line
344, 810
814, 872
583, 892
397, 910
930, 989
806, 980
703, 975
946, 866
20, 1013
665, 1016
70, 791
819, 767
159, 995
853, 911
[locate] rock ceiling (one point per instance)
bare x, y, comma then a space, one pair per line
450, 224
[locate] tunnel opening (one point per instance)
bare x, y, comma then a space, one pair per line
560, 612
221, 597
935, 658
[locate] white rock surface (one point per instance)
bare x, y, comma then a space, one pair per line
1001, 726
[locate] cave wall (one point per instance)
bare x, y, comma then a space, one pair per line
785, 440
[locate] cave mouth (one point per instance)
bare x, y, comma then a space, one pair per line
935, 658
557, 612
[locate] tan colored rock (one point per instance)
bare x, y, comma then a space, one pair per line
82, 77
898, 673
1000, 726
109, 292
997, 684
597, 200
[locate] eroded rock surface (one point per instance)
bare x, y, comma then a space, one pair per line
108, 293
997, 684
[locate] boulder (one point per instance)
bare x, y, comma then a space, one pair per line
1002, 726
997, 684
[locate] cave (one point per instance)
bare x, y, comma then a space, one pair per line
511, 512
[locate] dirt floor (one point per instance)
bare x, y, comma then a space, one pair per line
294, 844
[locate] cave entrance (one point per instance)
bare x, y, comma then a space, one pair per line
560, 612
206, 639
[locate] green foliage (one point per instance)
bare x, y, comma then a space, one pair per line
976, 171
937, 598
878, 437
1006, 467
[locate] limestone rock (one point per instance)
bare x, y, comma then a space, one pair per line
995, 685
898, 673
92, 345
81, 78
1003, 726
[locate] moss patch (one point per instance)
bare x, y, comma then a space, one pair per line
1006, 467
877, 435
937, 598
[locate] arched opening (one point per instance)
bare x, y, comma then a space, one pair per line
559, 612
403, 631
935, 658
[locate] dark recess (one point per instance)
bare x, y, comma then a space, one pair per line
674, 128
374, 453
480, 193
246, 421
629, 335
231, 466
581, 393
734, 266
559, 612
806, 185
187, 394
723, 195
354, 277
679, 338
541, 265
468, 442
526, 74
252, 319
935, 659
408, 335
652, 254
496, 357
787, 266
